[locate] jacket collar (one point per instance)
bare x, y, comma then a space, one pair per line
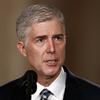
72, 91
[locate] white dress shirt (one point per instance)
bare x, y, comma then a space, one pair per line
57, 87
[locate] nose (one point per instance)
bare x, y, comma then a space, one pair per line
51, 46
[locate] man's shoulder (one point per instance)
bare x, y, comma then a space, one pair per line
81, 87
72, 78
80, 81
10, 86
78, 88
20, 88
8, 90
85, 84
87, 89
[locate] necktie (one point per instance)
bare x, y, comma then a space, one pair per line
45, 94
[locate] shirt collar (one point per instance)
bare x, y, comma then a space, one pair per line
57, 87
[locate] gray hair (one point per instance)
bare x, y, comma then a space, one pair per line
35, 14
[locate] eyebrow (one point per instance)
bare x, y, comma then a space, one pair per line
58, 35
44, 36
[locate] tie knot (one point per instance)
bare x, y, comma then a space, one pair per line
45, 93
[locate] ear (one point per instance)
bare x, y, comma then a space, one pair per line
21, 48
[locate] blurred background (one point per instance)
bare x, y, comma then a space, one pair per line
83, 48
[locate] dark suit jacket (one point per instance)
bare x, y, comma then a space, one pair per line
76, 89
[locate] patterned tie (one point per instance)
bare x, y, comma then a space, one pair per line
45, 94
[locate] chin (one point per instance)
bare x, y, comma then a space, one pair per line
52, 71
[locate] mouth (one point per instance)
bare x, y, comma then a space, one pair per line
51, 62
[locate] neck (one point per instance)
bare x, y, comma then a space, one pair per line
47, 80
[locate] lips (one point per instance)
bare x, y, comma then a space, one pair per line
51, 62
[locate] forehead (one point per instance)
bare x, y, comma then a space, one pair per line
50, 27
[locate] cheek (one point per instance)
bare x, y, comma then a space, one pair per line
31, 54
61, 53
35, 55
60, 50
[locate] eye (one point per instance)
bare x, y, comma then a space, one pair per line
59, 37
40, 41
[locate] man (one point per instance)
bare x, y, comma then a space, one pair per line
42, 39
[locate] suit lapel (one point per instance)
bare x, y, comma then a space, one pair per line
19, 94
71, 91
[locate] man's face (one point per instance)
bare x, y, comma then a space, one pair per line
45, 49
